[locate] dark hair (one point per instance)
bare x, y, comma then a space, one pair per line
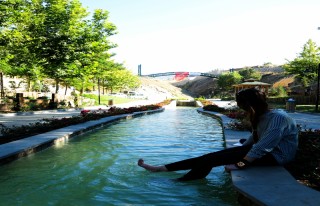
252, 98
254, 102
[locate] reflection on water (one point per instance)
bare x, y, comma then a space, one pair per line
100, 168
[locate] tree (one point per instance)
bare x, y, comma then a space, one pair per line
305, 65
93, 56
56, 37
227, 80
20, 42
10, 12
120, 79
249, 73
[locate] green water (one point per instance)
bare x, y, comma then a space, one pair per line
100, 168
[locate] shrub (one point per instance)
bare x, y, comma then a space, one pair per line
19, 132
236, 114
306, 167
214, 108
278, 92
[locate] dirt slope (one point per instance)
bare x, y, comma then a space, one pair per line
204, 86
200, 86
161, 89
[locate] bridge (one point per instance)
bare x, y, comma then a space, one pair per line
181, 75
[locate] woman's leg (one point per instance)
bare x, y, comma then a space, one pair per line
201, 166
222, 157
232, 156
151, 168
266, 160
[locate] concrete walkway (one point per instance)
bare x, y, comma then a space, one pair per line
25, 118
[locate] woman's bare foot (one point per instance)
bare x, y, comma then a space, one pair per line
151, 168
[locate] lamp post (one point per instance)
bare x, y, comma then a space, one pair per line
317, 97
318, 79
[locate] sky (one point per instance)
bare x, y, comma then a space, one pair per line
205, 35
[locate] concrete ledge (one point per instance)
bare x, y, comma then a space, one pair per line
21, 148
272, 186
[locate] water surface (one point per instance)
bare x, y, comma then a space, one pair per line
99, 168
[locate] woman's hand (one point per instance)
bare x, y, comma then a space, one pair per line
228, 168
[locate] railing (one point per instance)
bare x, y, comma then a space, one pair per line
190, 74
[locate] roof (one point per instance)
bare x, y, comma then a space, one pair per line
255, 83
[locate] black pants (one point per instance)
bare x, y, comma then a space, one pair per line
201, 166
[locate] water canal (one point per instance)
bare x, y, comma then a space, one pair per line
99, 168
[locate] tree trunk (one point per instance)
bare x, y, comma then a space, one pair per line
65, 91
103, 87
81, 90
40, 85
1, 85
99, 91
57, 86
29, 84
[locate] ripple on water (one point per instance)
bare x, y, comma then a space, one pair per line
100, 168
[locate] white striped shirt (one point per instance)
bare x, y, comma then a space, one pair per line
278, 134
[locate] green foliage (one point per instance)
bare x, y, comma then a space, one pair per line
116, 80
249, 73
40, 87
54, 39
62, 21
305, 65
203, 101
228, 79
306, 108
104, 99
63, 104
306, 167
214, 108
200, 98
278, 92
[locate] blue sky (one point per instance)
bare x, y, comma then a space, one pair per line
204, 35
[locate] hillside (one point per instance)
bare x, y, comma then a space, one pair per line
200, 86
160, 89
278, 79
204, 86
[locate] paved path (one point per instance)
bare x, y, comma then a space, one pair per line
305, 120
25, 118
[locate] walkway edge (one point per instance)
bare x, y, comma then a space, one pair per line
14, 150
272, 186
